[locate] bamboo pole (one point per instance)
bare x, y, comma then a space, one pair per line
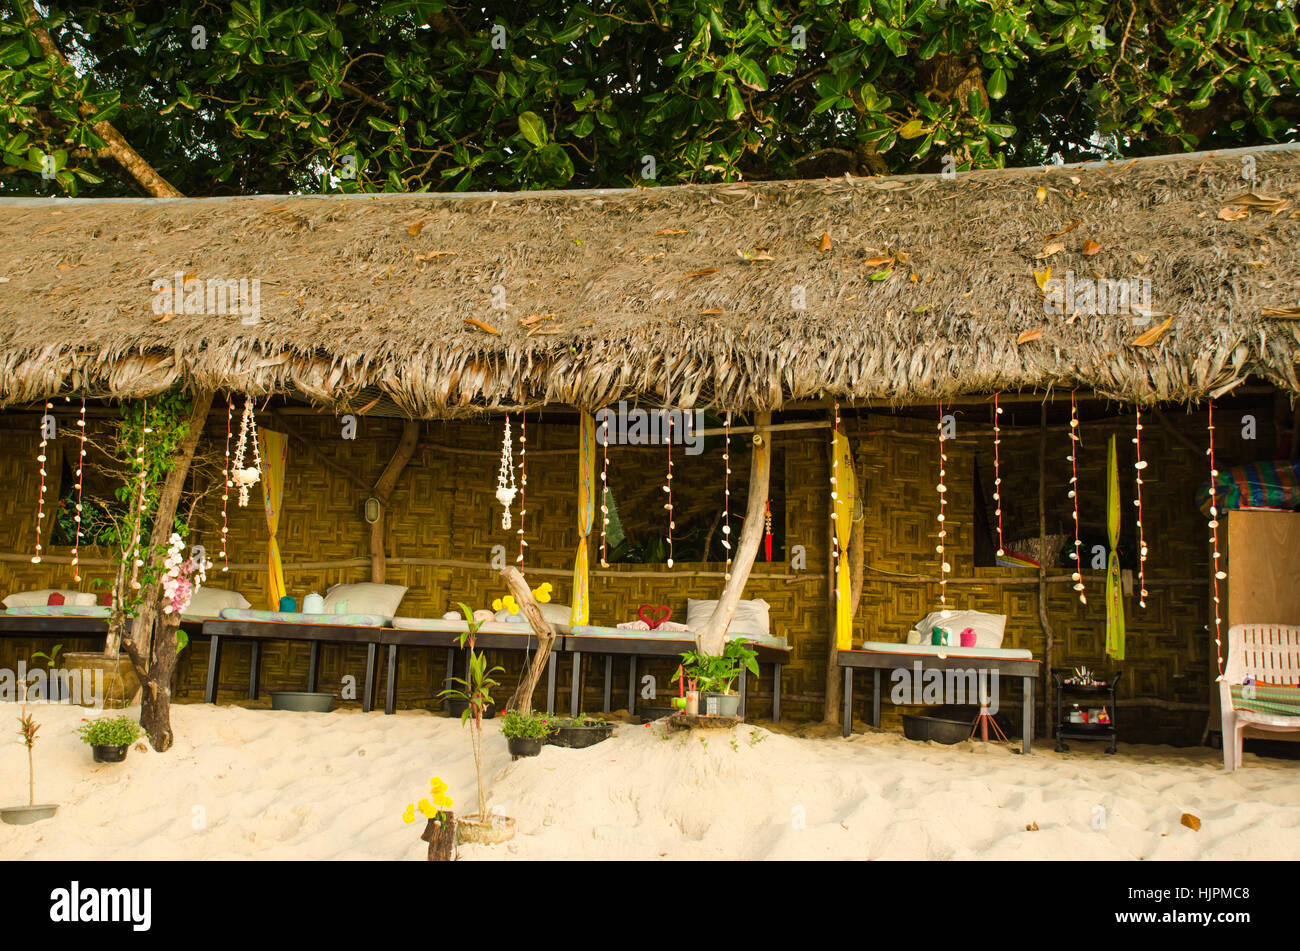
1043, 620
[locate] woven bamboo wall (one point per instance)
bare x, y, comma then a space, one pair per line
443, 508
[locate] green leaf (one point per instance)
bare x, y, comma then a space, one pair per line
912, 130
997, 84
533, 129
379, 125
751, 74
735, 105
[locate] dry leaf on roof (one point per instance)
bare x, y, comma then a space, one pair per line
711, 312
415, 228
1054, 248
482, 326
430, 255
758, 254
825, 244
1028, 335
1042, 277
701, 273
1291, 313
1090, 247
1233, 214
1063, 232
1149, 337
1041, 194
877, 262
669, 231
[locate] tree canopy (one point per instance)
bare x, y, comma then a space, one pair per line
262, 96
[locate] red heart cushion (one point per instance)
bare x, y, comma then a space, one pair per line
56, 598
654, 614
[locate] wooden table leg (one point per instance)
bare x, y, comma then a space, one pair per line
313, 665
253, 670
848, 700
451, 672
575, 691
631, 684
368, 703
742, 693
390, 688
1027, 716
550, 683
875, 698
776, 692
609, 679
214, 668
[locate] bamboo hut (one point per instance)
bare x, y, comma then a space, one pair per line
882, 300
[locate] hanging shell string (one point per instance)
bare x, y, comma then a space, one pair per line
1139, 465
604, 490
226, 484
997, 469
142, 502
247, 478
506, 489
1219, 574
40, 504
1077, 575
523, 483
942, 489
835, 495
668, 487
726, 497
76, 516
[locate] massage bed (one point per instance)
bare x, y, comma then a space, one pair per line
878, 656
446, 633
258, 626
594, 639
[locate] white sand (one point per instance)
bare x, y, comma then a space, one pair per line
260, 784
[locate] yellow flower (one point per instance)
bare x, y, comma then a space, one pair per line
442, 801
409, 815
427, 808
496, 605
543, 593
511, 605
436, 785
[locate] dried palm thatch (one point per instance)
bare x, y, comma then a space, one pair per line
746, 296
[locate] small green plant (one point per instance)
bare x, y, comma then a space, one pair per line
109, 731
475, 691
526, 726
716, 673
583, 719
51, 659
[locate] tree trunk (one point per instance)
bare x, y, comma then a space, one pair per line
523, 696
710, 638
383, 491
154, 657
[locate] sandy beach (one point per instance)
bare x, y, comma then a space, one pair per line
247, 783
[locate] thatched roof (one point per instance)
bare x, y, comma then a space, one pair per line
693, 288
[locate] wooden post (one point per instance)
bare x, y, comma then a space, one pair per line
1042, 570
710, 638
441, 835
523, 695
383, 491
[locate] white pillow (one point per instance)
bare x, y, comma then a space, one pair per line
365, 598
32, 599
556, 614
988, 628
750, 617
210, 602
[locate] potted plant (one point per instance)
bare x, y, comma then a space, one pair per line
576, 733
716, 674
24, 815
473, 692
109, 737
525, 733
440, 825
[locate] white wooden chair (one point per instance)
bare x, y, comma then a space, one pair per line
1270, 653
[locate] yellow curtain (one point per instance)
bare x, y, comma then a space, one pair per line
580, 611
1114, 581
275, 456
846, 491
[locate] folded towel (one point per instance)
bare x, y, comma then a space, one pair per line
643, 626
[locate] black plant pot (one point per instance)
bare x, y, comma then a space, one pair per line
525, 745
108, 754
457, 707
580, 737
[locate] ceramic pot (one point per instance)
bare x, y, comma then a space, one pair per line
525, 745
491, 831
313, 604
89, 670
722, 704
